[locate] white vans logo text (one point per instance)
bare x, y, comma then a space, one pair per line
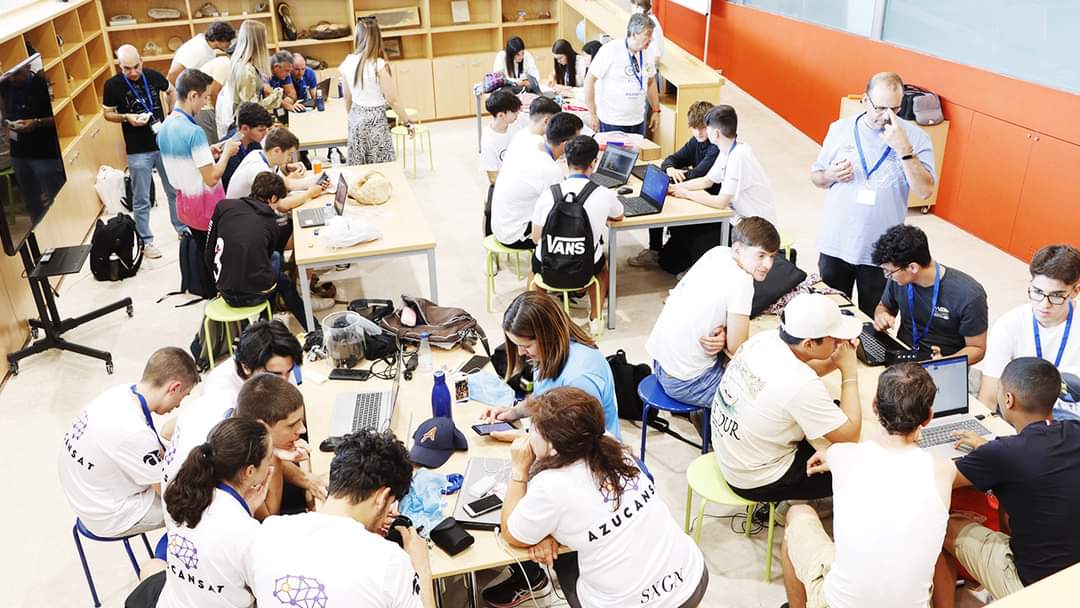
563, 245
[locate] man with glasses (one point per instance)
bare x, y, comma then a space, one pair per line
943, 311
868, 163
1041, 328
624, 70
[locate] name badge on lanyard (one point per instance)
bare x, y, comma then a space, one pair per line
637, 66
867, 196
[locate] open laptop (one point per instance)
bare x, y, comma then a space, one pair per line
315, 217
365, 410
653, 192
615, 166
324, 86
880, 348
950, 407
639, 172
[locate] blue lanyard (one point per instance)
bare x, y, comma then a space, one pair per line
231, 492
296, 375
639, 69
1064, 338
263, 155
186, 115
727, 158
549, 151
862, 158
915, 337
146, 414
148, 105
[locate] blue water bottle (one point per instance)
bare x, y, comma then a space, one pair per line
340, 89
320, 105
440, 397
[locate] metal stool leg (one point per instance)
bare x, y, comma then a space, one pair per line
489, 285
430, 151
131, 556
689, 505
149, 549
206, 341
85, 565
700, 517
644, 427
768, 542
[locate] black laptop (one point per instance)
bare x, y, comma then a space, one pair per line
615, 166
654, 190
639, 172
324, 86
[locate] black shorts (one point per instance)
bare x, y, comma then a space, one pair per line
794, 485
597, 268
146, 594
525, 243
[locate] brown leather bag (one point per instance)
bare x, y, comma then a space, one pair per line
448, 326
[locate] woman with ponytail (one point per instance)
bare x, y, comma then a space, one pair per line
571, 484
209, 523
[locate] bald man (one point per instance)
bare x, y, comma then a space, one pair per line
303, 77
134, 98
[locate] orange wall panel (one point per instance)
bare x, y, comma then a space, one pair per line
1049, 210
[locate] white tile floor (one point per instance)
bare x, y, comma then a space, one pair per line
39, 563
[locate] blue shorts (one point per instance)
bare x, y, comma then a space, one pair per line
697, 391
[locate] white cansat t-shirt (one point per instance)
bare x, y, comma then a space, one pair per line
600, 205
767, 402
253, 164
110, 460
524, 176
620, 94
193, 425
1012, 336
741, 176
494, 145
369, 93
207, 564
629, 554
194, 53
713, 287
302, 557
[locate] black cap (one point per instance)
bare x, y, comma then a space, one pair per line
435, 440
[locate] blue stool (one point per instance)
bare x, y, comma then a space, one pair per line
80, 529
653, 396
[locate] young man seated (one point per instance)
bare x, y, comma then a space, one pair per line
601, 206
263, 346
890, 506
701, 327
279, 147
110, 467
541, 110
771, 400
1033, 475
948, 306
691, 161
527, 173
306, 553
1040, 328
743, 185
253, 122
503, 107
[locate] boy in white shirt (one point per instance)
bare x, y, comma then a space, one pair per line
301, 556
743, 185
110, 468
1041, 328
503, 107
194, 53
278, 148
701, 326
540, 112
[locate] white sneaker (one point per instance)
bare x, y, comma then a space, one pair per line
646, 258
320, 304
149, 251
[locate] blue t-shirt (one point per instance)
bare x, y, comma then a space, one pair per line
276, 82
305, 82
587, 369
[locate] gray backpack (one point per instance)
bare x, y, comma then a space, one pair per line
921, 106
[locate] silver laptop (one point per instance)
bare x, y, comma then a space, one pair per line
369, 410
950, 407
615, 166
315, 217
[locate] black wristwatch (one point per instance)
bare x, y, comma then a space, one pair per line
908, 156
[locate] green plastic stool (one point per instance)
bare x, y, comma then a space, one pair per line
218, 310
538, 281
420, 132
705, 478
494, 248
786, 243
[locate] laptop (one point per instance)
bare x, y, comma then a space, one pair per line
615, 166
315, 217
950, 407
368, 410
653, 192
880, 348
324, 86
639, 172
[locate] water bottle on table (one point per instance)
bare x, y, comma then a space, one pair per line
424, 355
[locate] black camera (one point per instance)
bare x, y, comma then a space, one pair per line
393, 535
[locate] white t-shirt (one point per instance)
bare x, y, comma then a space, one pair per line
303, 557
581, 66
368, 94
194, 53
218, 69
767, 402
253, 164
493, 146
1012, 336
600, 205
524, 176
207, 564
528, 66
193, 424
741, 176
110, 460
620, 95
694, 308
523, 138
632, 554
223, 379
656, 47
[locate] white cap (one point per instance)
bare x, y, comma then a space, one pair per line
813, 316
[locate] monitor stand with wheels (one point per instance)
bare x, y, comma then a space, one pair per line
64, 260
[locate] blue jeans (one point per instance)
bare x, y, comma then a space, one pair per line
141, 166
638, 128
697, 391
1061, 413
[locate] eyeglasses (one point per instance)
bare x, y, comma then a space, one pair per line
888, 273
877, 108
1038, 296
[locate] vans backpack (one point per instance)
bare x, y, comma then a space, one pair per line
920, 106
117, 236
567, 249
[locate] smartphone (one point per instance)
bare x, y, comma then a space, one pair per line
475, 364
484, 505
486, 429
339, 373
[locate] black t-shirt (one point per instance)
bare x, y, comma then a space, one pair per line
1035, 474
132, 100
26, 96
961, 311
234, 162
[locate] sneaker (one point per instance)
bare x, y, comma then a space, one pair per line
151, 252
647, 258
320, 304
515, 590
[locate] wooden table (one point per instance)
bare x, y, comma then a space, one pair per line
1050, 591
324, 129
405, 232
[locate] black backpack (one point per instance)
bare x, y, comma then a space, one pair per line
920, 106
627, 376
118, 236
194, 275
129, 192
567, 250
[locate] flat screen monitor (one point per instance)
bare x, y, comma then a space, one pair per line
31, 169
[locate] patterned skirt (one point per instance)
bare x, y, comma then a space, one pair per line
369, 136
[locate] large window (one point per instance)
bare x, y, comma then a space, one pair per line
855, 16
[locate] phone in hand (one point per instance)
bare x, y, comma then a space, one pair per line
324, 179
486, 429
483, 505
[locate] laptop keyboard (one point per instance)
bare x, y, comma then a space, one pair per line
366, 414
942, 434
603, 180
636, 206
317, 214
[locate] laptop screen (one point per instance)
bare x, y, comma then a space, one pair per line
655, 186
340, 194
951, 377
617, 161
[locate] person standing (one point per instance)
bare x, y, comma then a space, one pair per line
625, 72
200, 49
249, 69
133, 98
868, 163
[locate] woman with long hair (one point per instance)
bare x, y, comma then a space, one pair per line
249, 70
369, 87
519, 65
573, 484
570, 68
208, 521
